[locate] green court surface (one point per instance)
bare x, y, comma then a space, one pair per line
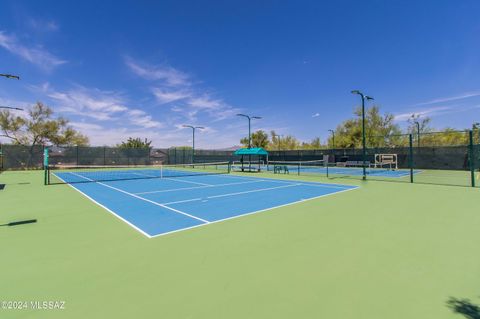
384, 250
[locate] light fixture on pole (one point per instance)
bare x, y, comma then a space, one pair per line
10, 108
333, 138
10, 76
364, 145
249, 127
249, 135
193, 139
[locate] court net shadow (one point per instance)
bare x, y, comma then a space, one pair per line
464, 307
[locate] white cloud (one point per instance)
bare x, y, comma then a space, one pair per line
205, 102
98, 105
316, 115
38, 56
175, 86
166, 74
462, 96
429, 112
140, 118
94, 103
82, 126
164, 96
43, 25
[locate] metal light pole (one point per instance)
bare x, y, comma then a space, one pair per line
364, 145
193, 139
418, 132
333, 138
11, 108
249, 127
476, 126
279, 140
249, 136
10, 76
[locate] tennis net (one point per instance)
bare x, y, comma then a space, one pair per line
69, 174
315, 166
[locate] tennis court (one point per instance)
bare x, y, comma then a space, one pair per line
158, 201
322, 167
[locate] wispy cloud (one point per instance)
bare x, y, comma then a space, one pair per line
316, 115
98, 105
166, 74
142, 119
35, 55
43, 25
172, 86
163, 96
432, 111
462, 96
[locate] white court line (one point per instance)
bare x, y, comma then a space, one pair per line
229, 194
144, 199
183, 201
306, 183
253, 191
106, 208
225, 219
198, 187
190, 182
255, 212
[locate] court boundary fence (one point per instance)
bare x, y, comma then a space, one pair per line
451, 158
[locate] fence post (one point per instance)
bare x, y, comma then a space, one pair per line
471, 157
410, 156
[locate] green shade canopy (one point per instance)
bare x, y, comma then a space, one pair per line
251, 151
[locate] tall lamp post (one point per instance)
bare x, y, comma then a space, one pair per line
10, 76
10, 108
249, 135
249, 127
279, 140
333, 138
193, 139
364, 145
418, 132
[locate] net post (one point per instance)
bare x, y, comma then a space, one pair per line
471, 157
326, 158
410, 156
46, 177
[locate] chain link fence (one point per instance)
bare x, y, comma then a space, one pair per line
446, 158
18, 157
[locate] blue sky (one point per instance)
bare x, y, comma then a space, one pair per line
144, 68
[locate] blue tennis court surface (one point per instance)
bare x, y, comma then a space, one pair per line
352, 171
159, 206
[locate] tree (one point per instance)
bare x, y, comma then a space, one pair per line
259, 139
381, 131
445, 137
135, 143
476, 133
423, 124
282, 143
39, 127
315, 144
